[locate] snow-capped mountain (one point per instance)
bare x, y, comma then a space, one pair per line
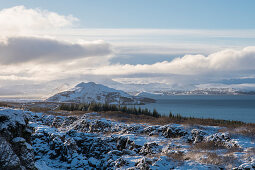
92, 92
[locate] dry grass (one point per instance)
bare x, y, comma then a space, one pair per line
233, 150
179, 156
215, 159
250, 152
204, 152
66, 113
243, 130
208, 146
3, 104
212, 146
212, 158
130, 118
10, 104
233, 126
40, 110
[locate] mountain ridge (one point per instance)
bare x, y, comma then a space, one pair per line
91, 92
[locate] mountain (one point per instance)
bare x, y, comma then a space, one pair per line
204, 91
92, 92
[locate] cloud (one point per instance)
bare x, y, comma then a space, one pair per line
30, 62
24, 38
19, 20
26, 49
186, 72
220, 62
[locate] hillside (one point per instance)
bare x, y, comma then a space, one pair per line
92, 92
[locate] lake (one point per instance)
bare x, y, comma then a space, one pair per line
235, 107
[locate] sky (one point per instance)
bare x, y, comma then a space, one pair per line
49, 46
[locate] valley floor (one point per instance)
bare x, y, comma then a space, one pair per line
94, 141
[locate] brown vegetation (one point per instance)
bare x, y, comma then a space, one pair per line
179, 156
246, 130
132, 115
215, 159
210, 145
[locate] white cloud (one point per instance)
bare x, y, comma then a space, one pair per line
181, 73
223, 61
20, 20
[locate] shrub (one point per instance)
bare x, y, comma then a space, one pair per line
97, 107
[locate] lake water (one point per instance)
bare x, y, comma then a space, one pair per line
239, 107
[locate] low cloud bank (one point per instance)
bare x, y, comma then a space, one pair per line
27, 49
220, 62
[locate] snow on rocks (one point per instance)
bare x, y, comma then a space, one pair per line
92, 142
15, 136
221, 139
150, 148
196, 136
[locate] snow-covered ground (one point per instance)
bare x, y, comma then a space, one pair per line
90, 141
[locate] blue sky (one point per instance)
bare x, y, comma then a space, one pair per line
167, 14
182, 44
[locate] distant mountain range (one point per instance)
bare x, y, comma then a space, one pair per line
206, 91
92, 92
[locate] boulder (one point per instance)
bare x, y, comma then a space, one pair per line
196, 136
169, 131
150, 148
144, 164
15, 138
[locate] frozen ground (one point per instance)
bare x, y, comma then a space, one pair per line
89, 142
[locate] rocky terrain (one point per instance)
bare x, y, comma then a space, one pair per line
40, 141
97, 93
16, 151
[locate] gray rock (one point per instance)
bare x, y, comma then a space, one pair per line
150, 148
196, 136
144, 164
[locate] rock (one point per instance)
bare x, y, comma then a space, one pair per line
150, 148
90, 142
144, 164
120, 162
196, 136
151, 130
68, 121
122, 142
115, 152
92, 126
15, 137
24, 151
94, 162
169, 131
133, 129
128, 152
247, 166
57, 121
18, 140
99, 126
221, 139
8, 159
